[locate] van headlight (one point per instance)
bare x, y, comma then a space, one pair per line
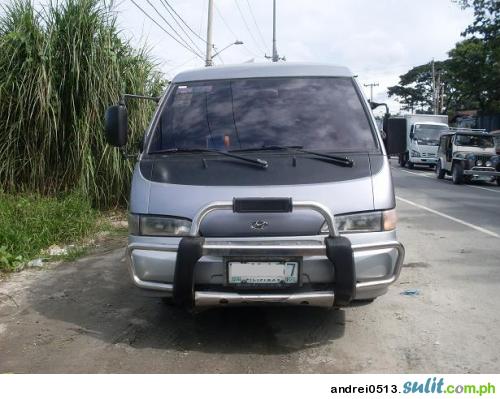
364, 222
147, 225
415, 153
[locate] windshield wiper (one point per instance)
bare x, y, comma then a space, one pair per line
341, 161
254, 161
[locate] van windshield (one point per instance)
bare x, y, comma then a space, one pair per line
315, 113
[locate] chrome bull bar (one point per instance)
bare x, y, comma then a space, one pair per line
216, 248
336, 248
228, 205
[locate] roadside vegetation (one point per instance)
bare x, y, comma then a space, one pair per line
470, 76
31, 223
61, 65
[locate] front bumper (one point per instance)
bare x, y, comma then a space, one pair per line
423, 160
480, 171
376, 261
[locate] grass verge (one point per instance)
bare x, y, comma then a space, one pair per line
30, 224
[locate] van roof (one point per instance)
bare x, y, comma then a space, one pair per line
262, 70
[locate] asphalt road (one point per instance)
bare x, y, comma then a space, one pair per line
84, 317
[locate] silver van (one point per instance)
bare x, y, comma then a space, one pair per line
261, 184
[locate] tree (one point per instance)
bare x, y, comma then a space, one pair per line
470, 73
477, 63
486, 18
414, 90
470, 76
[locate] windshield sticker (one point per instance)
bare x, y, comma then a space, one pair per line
194, 89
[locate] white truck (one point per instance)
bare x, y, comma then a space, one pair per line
422, 139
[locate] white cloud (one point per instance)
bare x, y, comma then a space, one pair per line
379, 40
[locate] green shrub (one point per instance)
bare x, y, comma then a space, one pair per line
31, 223
61, 65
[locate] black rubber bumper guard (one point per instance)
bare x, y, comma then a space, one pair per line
192, 248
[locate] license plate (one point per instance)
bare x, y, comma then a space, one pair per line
263, 273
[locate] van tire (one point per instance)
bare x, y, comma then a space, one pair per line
457, 173
411, 165
440, 172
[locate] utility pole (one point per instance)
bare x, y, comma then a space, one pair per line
433, 88
275, 50
210, 45
441, 97
274, 57
438, 93
371, 85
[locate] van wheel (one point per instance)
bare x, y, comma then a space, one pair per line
457, 173
411, 165
439, 171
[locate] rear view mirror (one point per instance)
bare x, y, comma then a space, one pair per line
396, 136
116, 125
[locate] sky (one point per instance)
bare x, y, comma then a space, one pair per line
377, 39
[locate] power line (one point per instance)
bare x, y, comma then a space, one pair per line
202, 18
185, 23
371, 85
171, 27
217, 54
257, 26
224, 22
232, 31
178, 23
164, 30
248, 28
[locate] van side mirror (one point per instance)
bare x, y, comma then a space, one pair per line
396, 136
412, 136
116, 125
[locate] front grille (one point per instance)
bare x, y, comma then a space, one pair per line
483, 158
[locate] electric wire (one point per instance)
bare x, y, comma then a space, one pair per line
202, 17
257, 26
164, 30
228, 27
248, 28
165, 3
224, 22
171, 27
184, 22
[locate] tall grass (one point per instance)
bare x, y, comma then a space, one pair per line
31, 223
61, 65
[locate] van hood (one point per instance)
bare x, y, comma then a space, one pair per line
180, 187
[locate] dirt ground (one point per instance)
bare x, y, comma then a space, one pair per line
84, 316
